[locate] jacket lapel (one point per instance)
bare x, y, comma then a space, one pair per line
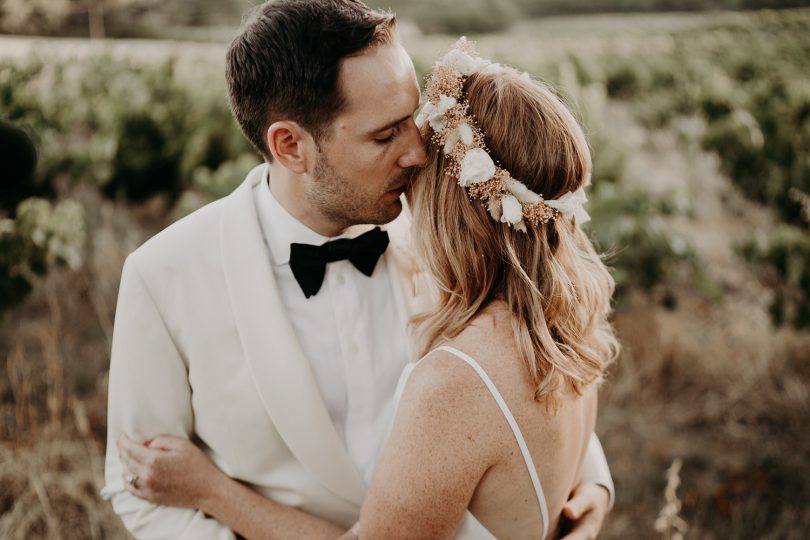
280, 370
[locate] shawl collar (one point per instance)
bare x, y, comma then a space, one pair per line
281, 372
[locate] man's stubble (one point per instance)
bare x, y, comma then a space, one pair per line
343, 204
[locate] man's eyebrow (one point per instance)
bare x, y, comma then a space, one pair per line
391, 124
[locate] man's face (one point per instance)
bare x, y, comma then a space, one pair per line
373, 148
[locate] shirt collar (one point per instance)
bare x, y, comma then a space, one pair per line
282, 229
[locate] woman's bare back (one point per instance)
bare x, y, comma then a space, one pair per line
504, 500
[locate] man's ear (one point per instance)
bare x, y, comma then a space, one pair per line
291, 145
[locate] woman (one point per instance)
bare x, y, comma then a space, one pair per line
493, 422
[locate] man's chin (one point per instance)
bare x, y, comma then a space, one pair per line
390, 210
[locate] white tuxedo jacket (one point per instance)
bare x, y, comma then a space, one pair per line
202, 349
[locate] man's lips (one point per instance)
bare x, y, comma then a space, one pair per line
406, 180
403, 186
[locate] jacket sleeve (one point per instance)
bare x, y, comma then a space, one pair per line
149, 394
596, 468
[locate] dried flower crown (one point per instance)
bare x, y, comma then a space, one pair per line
446, 111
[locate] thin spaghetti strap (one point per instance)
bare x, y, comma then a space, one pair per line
527, 458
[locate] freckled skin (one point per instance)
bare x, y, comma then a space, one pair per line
451, 447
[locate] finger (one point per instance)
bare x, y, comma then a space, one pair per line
131, 486
583, 530
166, 442
129, 465
124, 438
133, 477
136, 488
578, 535
575, 508
140, 472
133, 450
140, 485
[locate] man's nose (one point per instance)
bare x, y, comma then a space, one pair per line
414, 154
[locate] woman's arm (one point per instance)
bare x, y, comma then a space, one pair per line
177, 473
254, 516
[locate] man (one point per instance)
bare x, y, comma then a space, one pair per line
233, 328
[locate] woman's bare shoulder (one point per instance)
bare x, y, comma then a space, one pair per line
448, 378
443, 376
488, 338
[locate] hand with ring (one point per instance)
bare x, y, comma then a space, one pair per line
169, 471
131, 479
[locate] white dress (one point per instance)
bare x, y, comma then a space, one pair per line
471, 528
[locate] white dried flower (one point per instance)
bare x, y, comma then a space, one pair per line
477, 166
433, 113
466, 133
512, 210
570, 205
463, 132
424, 113
445, 104
521, 192
463, 62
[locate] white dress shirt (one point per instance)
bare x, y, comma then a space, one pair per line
350, 331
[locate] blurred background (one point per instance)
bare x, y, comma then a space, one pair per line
114, 123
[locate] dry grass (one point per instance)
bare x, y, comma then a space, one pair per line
53, 407
705, 380
734, 411
49, 488
669, 523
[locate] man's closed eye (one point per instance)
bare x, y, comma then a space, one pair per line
389, 136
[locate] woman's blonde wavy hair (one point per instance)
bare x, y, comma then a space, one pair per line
554, 283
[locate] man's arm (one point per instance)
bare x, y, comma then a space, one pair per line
592, 499
596, 469
149, 393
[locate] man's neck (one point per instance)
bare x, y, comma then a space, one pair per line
282, 186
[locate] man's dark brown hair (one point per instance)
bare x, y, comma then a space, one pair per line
285, 63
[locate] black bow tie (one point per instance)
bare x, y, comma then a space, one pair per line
308, 263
